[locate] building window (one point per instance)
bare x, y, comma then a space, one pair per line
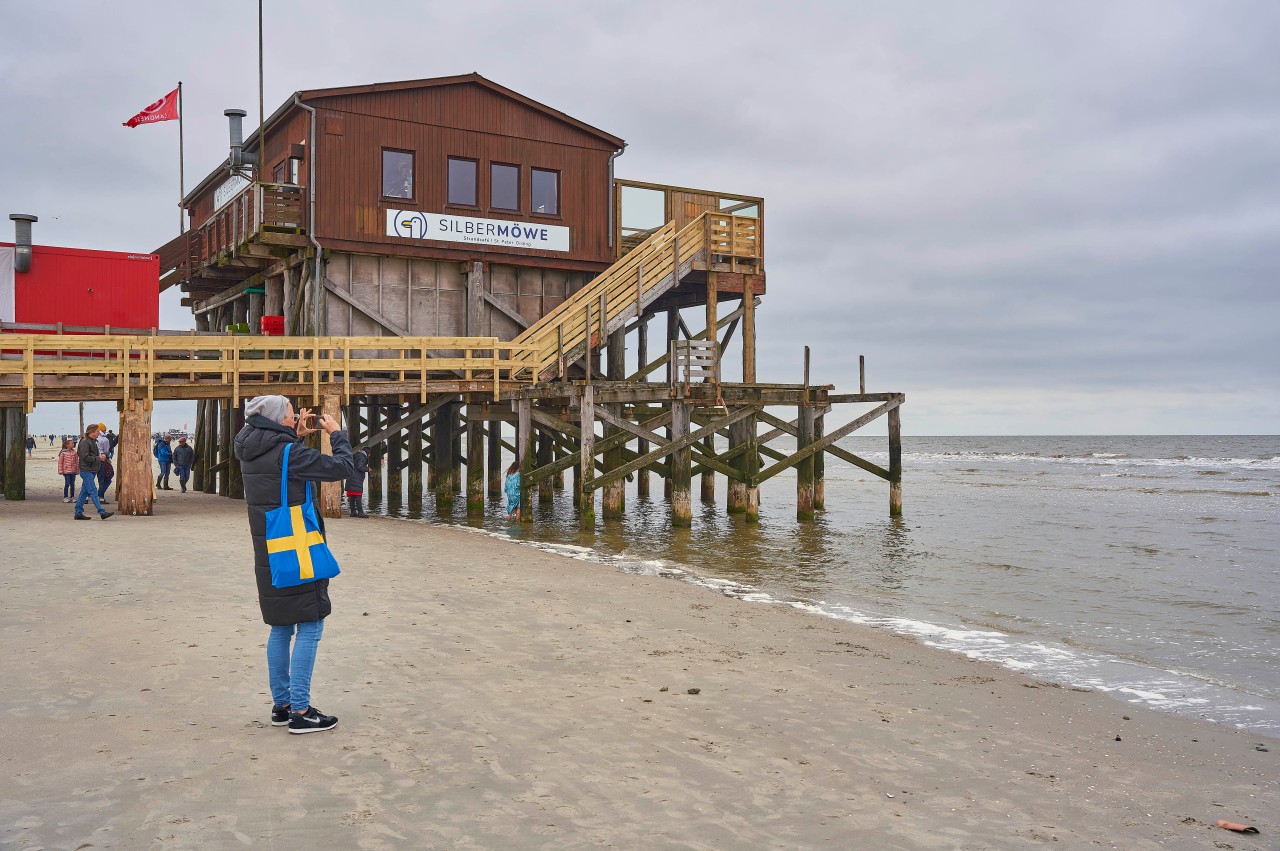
546, 192
397, 174
277, 175
504, 186
462, 182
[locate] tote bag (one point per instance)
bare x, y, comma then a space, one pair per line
295, 548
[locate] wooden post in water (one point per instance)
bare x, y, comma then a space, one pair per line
681, 473
494, 427
642, 360
442, 450
895, 462
819, 468
330, 492
135, 492
395, 457
546, 489
737, 498
708, 478
413, 438
713, 293
525, 452
377, 452
673, 332
615, 493
586, 468
475, 464
804, 470
752, 469
15, 453
455, 446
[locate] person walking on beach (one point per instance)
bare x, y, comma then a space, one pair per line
68, 466
31, 447
112, 440
295, 613
90, 461
512, 488
355, 484
106, 473
104, 442
183, 457
164, 454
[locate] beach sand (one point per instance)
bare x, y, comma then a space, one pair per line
492, 695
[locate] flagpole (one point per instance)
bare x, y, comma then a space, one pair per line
182, 172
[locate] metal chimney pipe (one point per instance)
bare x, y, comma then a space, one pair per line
234, 118
22, 240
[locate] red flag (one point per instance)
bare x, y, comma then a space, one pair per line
165, 109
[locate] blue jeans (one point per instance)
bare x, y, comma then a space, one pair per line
68, 485
88, 488
164, 469
184, 473
102, 487
291, 677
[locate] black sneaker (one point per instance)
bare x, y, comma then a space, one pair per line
104, 515
279, 715
81, 517
311, 721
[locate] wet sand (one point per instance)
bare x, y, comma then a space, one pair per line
495, 696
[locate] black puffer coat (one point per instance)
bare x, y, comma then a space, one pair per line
259, 446
355, 484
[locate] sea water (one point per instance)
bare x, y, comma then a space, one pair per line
1146, 567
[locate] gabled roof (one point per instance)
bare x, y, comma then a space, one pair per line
461, 79
250, 141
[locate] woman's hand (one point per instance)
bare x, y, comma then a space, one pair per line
328, 423
301, 428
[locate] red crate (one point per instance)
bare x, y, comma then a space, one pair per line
273, 325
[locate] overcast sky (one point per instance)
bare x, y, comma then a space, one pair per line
1030, 217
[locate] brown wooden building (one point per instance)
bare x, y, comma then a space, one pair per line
442, 207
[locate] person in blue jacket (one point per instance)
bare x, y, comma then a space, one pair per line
164, 454
512, 488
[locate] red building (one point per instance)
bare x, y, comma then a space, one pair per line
77, 287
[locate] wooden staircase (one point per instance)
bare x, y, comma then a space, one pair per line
622, 292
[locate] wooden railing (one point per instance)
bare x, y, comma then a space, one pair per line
276, 207
620, 293
131, 362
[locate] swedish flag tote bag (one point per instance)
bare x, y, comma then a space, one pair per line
295, 548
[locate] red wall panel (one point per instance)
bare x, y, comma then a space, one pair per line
78, 286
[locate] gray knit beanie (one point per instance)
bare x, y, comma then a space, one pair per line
273, 408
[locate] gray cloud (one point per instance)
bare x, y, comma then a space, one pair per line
1023, 203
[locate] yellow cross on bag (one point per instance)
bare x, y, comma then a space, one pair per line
300, 542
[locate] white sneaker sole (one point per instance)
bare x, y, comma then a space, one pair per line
312, 729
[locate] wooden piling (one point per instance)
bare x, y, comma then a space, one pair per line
819, 469
708, 477
201, 462
737, 496
614, 498
546, 491
748, 331
235, 478
586, 468
525, 452
895, 462
395, 456
442, 450
377, 452
475, 465
751, 469
455, 447
330, 492
642, 446
494, 428
213, 442
804, 469
15, 453
413, 440
135, 489
224, 447
681, 483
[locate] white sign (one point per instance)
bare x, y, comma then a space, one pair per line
228, 190
412, 224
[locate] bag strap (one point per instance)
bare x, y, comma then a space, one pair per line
284, 476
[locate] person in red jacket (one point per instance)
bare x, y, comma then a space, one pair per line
68, 466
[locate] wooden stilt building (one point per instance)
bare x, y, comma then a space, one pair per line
434, 259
